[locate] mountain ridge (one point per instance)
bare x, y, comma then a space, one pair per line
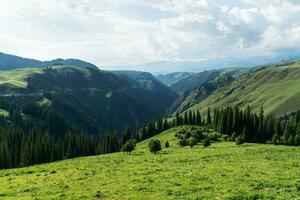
8, 61
93, 99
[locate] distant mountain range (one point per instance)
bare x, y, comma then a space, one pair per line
167, 67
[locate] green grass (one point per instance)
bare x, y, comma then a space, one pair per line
276, 88
18, 77
221, 171
45, 102
4, 112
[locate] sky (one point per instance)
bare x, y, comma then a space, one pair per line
130, 32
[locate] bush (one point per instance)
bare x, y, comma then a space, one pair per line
225, 138
290, 140
239, 140
276, 139
187, 135
297, 140
192, 142
206, 142
182, 142
129, 146
167, 145
214, 136
154, 146
198, 135
233, 136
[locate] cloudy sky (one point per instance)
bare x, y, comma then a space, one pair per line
129, 32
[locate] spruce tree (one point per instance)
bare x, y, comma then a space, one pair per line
208, 118
154, 146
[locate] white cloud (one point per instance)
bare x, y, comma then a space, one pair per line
124, 32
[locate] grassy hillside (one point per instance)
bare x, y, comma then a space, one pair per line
170, 79
18, 77
276, 87
221, 171
210, 81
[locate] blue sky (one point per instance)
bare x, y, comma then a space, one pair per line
130, 32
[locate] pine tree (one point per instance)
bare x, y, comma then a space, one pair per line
154, 146
208, 118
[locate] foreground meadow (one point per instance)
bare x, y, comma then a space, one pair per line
222, 171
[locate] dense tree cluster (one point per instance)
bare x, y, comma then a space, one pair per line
189, 117
256, 127
48, 138
192, 136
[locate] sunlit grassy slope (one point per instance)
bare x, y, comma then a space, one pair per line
221, 171
18, 77
277, 88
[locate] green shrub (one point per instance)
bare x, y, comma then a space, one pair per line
276, 139
297, 140
206, 142
129, 146
192, 142
182, 142
225, 137
167, 145
214, 136
154, 146
198, 135
187, 135
239, 140
290, 140
233, 136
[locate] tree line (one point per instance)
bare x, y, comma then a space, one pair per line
45, 137
48, 137
257, 127
238, 124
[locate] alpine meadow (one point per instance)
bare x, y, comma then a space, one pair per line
138, 100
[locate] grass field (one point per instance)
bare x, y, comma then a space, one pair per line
221, 171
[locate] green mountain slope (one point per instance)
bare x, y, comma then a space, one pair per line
182, 82
8, 62
88, 98
276, 87
215, 80
192, 81
221, 171
170, 79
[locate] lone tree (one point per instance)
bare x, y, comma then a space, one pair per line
154, 146
167, 144
129, 146
206, 142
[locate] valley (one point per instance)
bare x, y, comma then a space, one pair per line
217, 125
150, 100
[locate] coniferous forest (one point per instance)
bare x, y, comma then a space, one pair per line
25, 142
